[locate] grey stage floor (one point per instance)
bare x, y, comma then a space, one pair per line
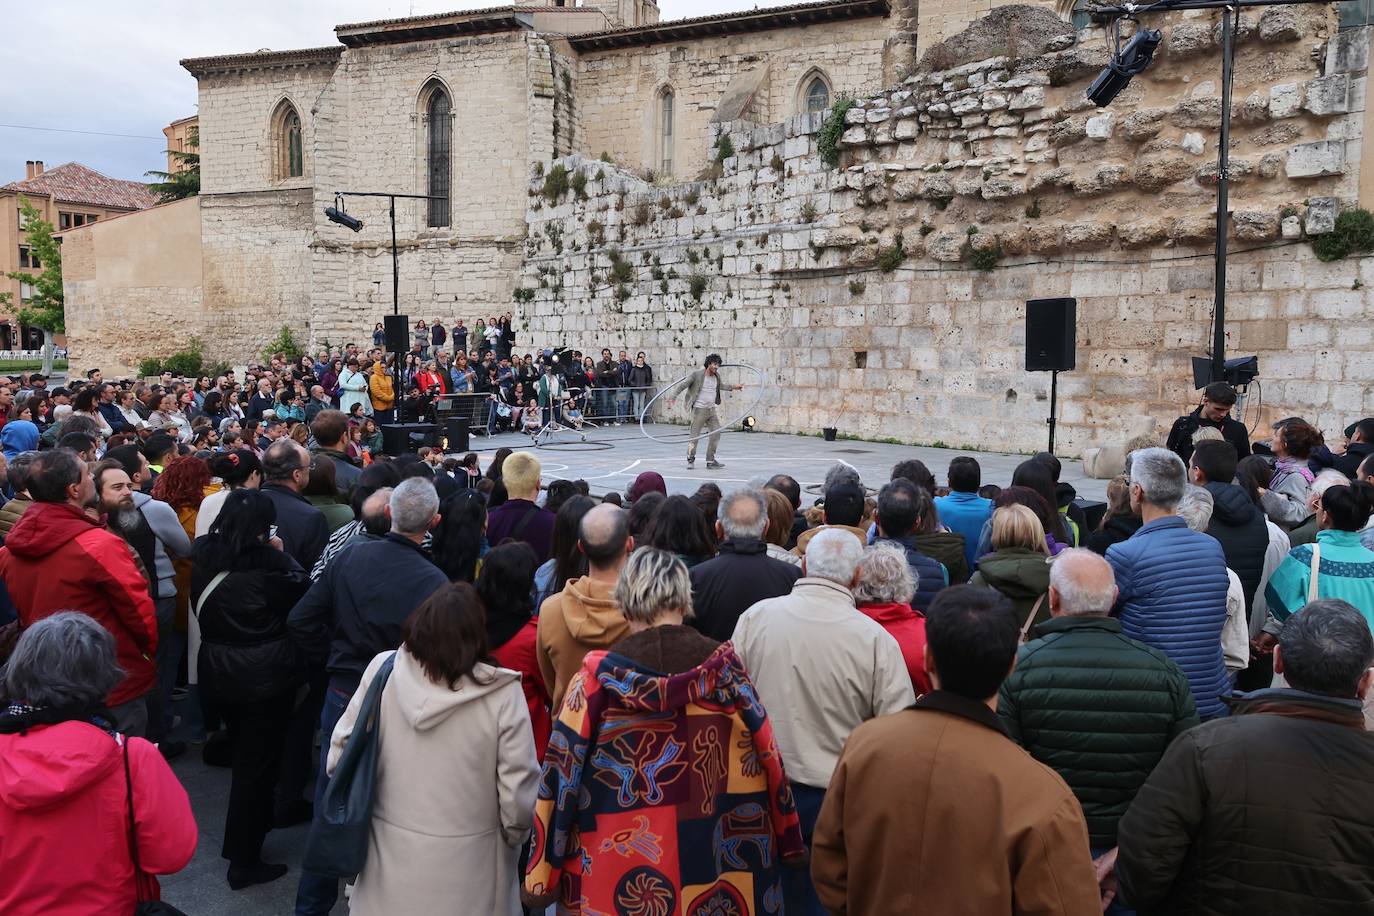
612, 457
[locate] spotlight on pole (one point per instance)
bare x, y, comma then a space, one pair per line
337, 215
1125, 63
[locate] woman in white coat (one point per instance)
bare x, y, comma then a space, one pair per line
353, 387
456, 772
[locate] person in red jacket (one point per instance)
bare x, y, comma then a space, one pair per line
69, 783
506, 587
885, 584
59, 558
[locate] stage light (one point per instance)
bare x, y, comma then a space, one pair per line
336, 215
1127, 62
747, 424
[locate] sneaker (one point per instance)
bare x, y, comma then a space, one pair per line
714, 464
691, 463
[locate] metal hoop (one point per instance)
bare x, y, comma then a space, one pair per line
591, 445
725, 427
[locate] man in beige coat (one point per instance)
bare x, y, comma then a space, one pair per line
936, 810
584, 616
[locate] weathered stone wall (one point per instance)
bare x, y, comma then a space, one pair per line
617, 91
132, 286
886, 297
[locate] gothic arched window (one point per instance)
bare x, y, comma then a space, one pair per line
816, 95
665, 131
439, 159
288, 147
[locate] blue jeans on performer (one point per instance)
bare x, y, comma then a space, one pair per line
317, 894
798, 895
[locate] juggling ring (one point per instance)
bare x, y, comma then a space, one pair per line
724, 427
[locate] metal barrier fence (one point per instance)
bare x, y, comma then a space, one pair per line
486, 414
617, 405
477, 409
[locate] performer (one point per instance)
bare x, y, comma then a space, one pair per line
1215, 411
702, 396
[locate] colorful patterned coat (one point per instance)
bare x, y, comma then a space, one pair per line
663, 795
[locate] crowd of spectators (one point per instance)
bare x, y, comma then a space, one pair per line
910, 694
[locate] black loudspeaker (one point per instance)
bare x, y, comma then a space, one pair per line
397, 333
403, 438
1050, 328
456, 432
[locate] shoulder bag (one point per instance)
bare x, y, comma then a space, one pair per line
1030, 618
1314, 576
337, 843
146, 906
213, 584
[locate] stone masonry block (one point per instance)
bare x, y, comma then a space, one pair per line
1316, 160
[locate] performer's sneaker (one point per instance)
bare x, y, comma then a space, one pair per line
691, 463
714, 464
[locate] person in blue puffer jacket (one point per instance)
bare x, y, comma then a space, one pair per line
1173, 580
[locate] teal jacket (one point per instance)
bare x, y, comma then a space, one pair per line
1347, 572
1099, 708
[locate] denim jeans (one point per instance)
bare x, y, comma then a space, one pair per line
639, 396
798, 894
316, 894
622, 405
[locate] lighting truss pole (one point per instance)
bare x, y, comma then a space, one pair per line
1230, 24
391, 209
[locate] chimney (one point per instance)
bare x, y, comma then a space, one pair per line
37, 168
28, 169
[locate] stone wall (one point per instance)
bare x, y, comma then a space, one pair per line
132, 286
617, 91
886, 297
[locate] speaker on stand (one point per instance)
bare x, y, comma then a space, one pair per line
1051, 345
397, 329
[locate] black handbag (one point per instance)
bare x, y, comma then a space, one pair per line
145, 906
337, 843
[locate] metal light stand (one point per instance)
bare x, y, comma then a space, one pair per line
1054, 405
1230, 23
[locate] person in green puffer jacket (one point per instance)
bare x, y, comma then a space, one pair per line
1098, 707
1019, 565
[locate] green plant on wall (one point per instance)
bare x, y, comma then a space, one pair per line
1354, 232
828, 141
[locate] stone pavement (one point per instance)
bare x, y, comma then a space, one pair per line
613, 456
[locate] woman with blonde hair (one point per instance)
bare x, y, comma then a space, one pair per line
779, 529
1019, 565
660, 743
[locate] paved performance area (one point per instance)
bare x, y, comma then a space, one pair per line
612, 457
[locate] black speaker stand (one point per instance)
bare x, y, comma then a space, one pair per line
1054, 405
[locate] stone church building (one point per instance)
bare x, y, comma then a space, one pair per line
882, 289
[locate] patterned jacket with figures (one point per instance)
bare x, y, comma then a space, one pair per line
663, 793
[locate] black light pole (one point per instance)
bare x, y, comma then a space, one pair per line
337, 214
1230, 23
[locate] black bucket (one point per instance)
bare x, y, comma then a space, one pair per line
829, 432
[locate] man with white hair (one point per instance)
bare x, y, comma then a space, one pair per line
355, 611
821, 668
742, 574
1172, 580
1088, 701
1197, 508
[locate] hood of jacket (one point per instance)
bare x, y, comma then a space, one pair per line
1017, 572
1230, 505
18, 436
425, 704
891, 613
45, 527
588, 609
717, 681
51, 764
1064, 494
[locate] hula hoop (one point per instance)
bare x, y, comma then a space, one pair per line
588, 446
724, 427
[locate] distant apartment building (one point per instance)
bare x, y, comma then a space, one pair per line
67, 196
183, 136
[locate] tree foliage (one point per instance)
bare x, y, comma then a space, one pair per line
170, 186
44, 310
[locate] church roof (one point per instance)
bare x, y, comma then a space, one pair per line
262, 60
437, 25
755, 20
74, 183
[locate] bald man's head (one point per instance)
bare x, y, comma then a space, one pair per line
604, 537
1081, 584
376, 514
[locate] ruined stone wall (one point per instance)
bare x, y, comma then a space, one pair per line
886, 296
618, 90
938, 21
125, 275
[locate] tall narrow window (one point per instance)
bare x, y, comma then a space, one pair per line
665, 132
288, 145
817, 96
440, 116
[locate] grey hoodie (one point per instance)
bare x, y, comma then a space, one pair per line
172, 541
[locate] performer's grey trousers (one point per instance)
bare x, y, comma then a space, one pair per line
704, 418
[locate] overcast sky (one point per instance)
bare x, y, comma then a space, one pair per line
111, 68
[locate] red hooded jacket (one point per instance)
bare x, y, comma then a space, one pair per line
56, 558
908, 627
64, 821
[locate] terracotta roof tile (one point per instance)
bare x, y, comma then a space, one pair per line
74, 183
